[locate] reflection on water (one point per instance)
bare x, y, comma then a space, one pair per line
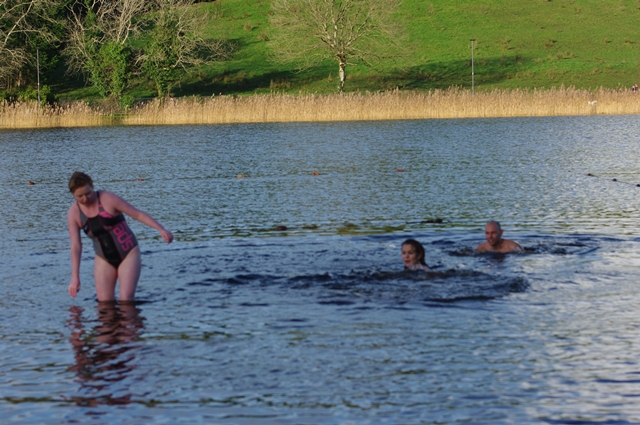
105, 354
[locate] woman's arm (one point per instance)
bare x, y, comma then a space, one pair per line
120, 205
73, 224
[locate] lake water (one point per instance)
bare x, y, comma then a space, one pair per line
240, 323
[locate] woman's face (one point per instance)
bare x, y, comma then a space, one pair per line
409, 255
84, 195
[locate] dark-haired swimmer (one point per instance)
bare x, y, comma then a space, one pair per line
413, 255
100, 215
493, 233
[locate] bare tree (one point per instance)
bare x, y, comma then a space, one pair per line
348, 31
21, 20
99, 33
178, 43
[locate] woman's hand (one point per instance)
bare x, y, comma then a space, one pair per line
74, 286
166, 235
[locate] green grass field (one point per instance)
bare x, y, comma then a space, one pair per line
519, 44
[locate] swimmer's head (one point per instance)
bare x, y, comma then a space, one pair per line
493, 233
412, 253
79, 179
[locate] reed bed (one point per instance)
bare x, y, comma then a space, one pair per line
395, 105
33, 115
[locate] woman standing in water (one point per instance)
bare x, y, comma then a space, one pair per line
100, 215
413, 255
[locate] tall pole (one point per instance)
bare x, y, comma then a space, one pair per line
473, 82
38, 67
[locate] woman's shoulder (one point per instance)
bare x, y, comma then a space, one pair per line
73, 213
73, 209
108, 197
113, 203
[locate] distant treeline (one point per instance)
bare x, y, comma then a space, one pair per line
112, 52
107, 43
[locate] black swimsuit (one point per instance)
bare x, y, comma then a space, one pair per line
112, 237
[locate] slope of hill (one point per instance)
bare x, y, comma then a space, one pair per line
519, 44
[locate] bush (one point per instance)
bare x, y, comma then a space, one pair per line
29, 94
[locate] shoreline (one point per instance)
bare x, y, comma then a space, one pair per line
396, 105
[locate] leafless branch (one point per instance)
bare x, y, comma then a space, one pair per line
22, 19
115, 21
349, 31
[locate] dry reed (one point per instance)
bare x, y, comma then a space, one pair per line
452, 103
32, 115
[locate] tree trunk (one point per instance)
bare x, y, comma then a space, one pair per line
341, 63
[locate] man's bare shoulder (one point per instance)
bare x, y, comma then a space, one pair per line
509, 246
506, 247
484, 247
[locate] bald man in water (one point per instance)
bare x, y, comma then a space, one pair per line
493, 232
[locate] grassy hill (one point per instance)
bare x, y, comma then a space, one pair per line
519, 44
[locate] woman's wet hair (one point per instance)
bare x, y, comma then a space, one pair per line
418, 248
79, 179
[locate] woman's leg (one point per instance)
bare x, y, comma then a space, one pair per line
128, 274
105, 276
